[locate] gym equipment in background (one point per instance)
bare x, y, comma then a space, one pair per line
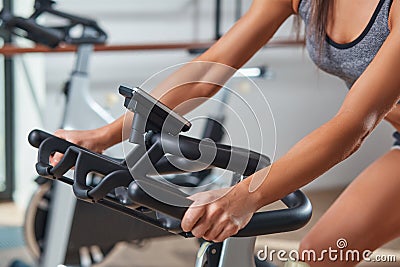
67, 235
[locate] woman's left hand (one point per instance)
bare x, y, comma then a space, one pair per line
218, 214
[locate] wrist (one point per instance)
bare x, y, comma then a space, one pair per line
254, 198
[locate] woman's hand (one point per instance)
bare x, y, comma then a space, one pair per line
218, 214
93, 140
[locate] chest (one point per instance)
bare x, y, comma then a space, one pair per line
348, 59
348, 19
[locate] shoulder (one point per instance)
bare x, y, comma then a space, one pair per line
394, 16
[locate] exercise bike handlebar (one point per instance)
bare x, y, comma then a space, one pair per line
294, 217
238, 160
48, 144
36, 137
143, 189
30, 29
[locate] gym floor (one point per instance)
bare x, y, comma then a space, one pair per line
177, 252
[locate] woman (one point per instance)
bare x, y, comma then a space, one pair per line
358, 41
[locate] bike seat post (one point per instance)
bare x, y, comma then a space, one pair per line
82, 58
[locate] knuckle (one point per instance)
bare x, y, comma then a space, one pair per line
209, 237
223, 237
197, 233
234, 230
213, 215
226, 221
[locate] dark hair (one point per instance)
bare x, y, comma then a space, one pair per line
319, 19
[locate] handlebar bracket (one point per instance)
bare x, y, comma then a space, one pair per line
151, 115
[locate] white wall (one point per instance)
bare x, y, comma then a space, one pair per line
301, 98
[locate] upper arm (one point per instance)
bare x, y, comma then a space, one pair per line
377, 90
250, 33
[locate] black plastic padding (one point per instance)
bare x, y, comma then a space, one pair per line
49, 144
92, 32
108, 183
172, 224
294, 217
36, 137
297, 215
88, 162
44, 170
37, 33
29, 29
239, 160
162, 191
158, 116
66, 163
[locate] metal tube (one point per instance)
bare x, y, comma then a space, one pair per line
9, 115
218, 17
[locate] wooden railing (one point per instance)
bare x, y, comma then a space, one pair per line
11, 50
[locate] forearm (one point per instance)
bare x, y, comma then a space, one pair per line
193, 83
184, 90
308, 159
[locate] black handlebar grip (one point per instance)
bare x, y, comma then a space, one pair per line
111, 181
35, 32
88, 162
36, 137
141, 197
294, 217
92, 32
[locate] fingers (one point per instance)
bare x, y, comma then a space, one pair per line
223, 228
201, 227
209, 222
217, 231
192, 216
214, 232
230, 230
55, 159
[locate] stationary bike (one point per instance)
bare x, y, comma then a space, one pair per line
48, 235
54, 235
160, 149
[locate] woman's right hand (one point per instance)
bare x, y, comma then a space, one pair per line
93, 140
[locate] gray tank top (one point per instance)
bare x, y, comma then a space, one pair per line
348, 61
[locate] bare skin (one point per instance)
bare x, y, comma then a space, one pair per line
366, 214
372, 99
